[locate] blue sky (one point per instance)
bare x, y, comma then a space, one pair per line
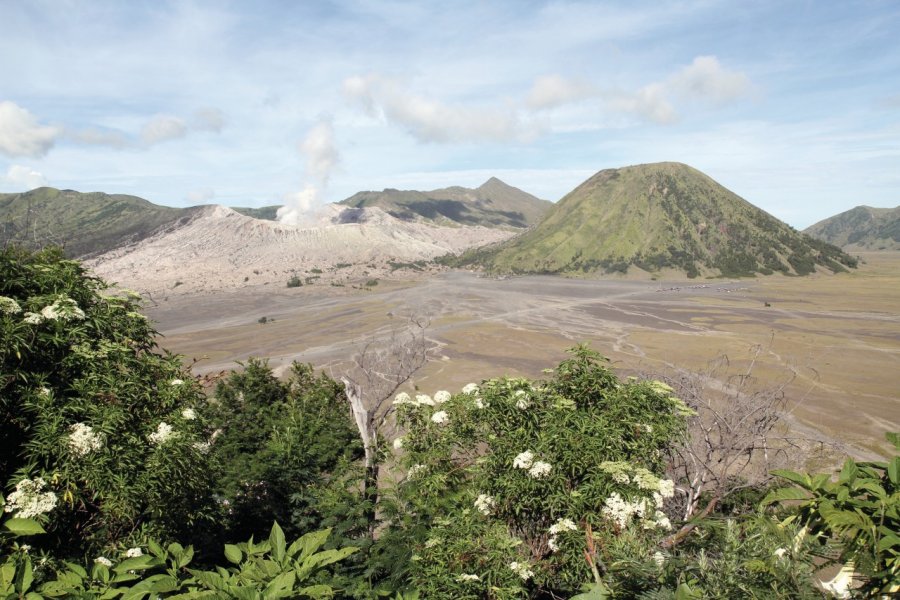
795, 106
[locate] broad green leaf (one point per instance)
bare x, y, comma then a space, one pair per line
894, 470
77, 569
276, 541
309, 543
798, 478
282, 584
27, 576
315, 591
138, 563
233, 554
894, 438
888, 541
782, 494
849, 471
23, 526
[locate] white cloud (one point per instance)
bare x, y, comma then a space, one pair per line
551, 91
94, 136
20, 177
706, 79
208, 119
20, 133
201, 196
649, 103
162, 128
430, 120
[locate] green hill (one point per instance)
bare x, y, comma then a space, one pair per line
83, 224
493, 204
654, 217
860, 228
266, 213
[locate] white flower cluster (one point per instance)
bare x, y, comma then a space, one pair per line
83, 440
485, 504
621, 512
522, 570
176, 382
398, 443
134, 553
537, 469
163, 434
479, 403
102, 560
9, 306
440, 417
442, 396
559, 527
470, 388
29, 500
189, 414
522, 400
414, 471
467, 577
64, 309
424, 400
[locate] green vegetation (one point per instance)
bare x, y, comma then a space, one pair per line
493, 204
266, 213
860, 228
123, 478
659, 216
294, 281
83, 224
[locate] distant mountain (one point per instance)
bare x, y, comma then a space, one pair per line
83, 224
493, 204
266, 213
860, 228
655, 217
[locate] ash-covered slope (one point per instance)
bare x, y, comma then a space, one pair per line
654, 217
493, 204
217, 248
860, 228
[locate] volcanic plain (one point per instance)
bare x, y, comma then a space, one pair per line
834, 339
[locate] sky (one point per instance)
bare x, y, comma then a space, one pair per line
793, 105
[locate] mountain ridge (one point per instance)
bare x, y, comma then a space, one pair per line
860, 228
654, 217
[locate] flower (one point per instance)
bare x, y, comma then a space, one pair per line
83, 440
102, 560
620, 510
466, 577
8, 306
563, 525
29, 500
432, 542
64, 309
33, 318
414, 471
524, 460
134, 552
522, 570
620, 477
539, 469
662, 521
470, 388
666, 488
485, 504
176, 382
647, 428
44, 391
398, 443
659, 558
402, 398
780, 553
202, 447
424, 400
442, 396
440, 417
189, 414
479, 403
162, 434
553, 545
522, 401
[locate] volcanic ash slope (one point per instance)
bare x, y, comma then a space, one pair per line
217, 248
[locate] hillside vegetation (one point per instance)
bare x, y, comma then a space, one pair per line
658, 216
493, 204
860, 228
82, 224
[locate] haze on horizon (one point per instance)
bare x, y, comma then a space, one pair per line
795, 106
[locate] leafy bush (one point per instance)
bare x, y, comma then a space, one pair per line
99, 431
509, 484
860, 511
281, 445
294, 281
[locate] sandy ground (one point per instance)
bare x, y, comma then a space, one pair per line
837, 338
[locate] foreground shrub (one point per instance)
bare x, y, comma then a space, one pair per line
100, 432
